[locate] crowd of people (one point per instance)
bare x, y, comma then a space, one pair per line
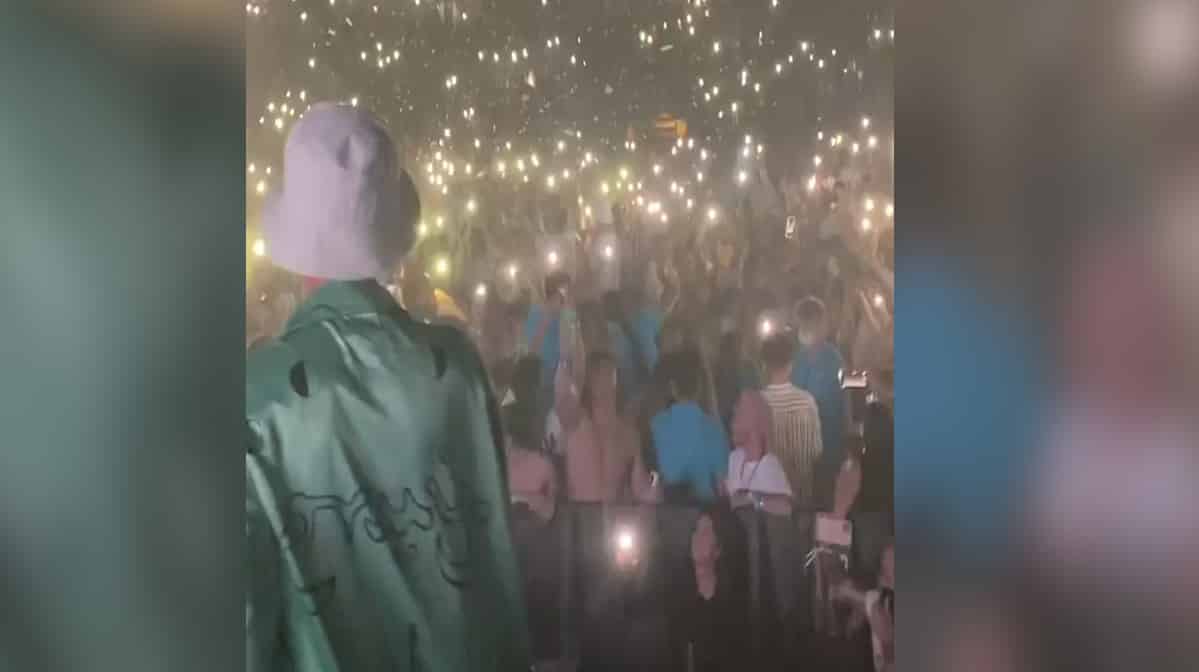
705, 383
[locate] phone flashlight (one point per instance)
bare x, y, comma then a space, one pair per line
624, 541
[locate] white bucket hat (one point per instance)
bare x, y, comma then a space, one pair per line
346, 210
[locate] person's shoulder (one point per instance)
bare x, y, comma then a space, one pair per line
832, 354
275, 374
452, 348
736, 459
801, 395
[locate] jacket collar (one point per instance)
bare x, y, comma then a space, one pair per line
340, 299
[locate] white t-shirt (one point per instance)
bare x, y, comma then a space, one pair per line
764, 476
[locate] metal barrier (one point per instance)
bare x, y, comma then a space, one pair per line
576, 549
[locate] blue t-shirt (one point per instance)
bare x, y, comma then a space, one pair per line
818, 371
550, 345
692, 448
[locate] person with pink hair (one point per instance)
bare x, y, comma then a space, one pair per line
755, 475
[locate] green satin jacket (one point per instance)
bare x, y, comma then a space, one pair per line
376, 500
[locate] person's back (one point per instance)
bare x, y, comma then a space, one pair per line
817, 370
374, 467
376, 503
603, 456
692, 450
795, 421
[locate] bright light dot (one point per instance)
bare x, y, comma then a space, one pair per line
587, 211
742, 177
609, 252
251, 169
767, 327
890, 210
712, 214
550, 182
855, 148
879, 301
757, 87
520, 165
303, 16
481, 291
867, 224
512, 270
566, 173
820, 64
865, 122
690, 203
716, 47
259, 247
803, 46
624, 173
878, 34
690, 143
552, 258
604, 187
471, 206
279, 123
664, 218
703, 155
812, 183
657, 169
354, 101
561, 146
872, 142
442, 266
817, 160
422, 230
535, 160
481, 55
624, 540
440, 221
869, 205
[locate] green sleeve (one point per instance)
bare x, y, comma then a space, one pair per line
263, 593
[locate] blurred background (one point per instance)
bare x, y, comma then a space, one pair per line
121, 234
1047, 447
1046, 455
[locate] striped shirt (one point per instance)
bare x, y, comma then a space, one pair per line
795, 436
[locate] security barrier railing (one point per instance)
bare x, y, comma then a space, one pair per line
588, 555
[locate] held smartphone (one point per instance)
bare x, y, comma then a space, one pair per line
855, 380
